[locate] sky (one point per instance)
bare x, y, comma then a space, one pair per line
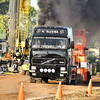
34, 4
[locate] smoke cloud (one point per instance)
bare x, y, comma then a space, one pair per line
79, 14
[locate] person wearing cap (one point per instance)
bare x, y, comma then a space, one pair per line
15, 64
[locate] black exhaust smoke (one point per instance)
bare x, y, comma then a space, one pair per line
72, 13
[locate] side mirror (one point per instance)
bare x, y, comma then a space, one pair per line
72, 44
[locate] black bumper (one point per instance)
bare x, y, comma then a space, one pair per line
51, 75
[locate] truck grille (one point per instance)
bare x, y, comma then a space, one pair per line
48, 61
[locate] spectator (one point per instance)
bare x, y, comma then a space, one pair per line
62, 44
78, 42
15, 64
38, 43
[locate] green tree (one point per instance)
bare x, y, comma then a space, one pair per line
33, 16
4, 6
3, 25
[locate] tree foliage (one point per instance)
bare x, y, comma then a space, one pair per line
4, 6
3, 25
32, 20
91, 58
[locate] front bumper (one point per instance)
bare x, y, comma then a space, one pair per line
49, 72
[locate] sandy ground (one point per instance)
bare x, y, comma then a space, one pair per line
10, 85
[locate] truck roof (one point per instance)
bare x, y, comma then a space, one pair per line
67, 31
49, 31
49, 27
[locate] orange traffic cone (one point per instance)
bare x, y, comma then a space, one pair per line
59, 91
21, 93
89, 91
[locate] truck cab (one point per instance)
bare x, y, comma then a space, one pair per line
51, 54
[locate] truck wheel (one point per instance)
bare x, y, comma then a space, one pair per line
32, 80
23, 72
44, 80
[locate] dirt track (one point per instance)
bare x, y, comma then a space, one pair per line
10, 85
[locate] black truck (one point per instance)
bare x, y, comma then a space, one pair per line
51, 55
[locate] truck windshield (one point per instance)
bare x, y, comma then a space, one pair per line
49, 42
78, 41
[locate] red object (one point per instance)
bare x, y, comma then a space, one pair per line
79, 35
78, 52
59, 91
21, 93
89, 91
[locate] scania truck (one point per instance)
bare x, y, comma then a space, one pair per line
51, 55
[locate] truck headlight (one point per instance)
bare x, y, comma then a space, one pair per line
33, 67
62, 68
41, 70
45, 70
49, 70
62, 75
34, 74
53, 70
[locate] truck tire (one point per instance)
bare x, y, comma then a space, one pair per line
32, 80
44, 80
23, 72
